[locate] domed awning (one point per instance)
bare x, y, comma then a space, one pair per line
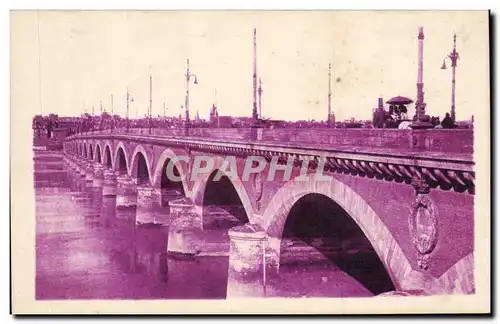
404, 125
399, 100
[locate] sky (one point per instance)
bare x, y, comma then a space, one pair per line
83, 57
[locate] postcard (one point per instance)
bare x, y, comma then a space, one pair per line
257, 162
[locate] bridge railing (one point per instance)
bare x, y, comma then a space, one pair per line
436, 140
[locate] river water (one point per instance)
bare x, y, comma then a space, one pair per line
87, 249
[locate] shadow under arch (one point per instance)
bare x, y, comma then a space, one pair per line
199, 189
159, 175
120, 164
91, 152
222, 203
170, 189
108, 158
139, 166
346, 202
318, 231
98, 153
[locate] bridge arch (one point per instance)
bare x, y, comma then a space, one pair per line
91, 152
121, 163
200, 188
98, 154
140, 166
107, 157
159, 178
85, 151
387, 249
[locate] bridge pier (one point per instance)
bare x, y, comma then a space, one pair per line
98, 179
77, 168
185, 231
147, 203
109, 183
126, 192
80, 167
163, 196
74, 173
248, 270
89, 174
82, 171
69, 161
168, 195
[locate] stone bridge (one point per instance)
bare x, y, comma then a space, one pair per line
402, 201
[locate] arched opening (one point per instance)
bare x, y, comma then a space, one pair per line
85, 151
222, 206
98, 152
324, 247
107, 157
121, 162
91, 152
170, 188
142, 174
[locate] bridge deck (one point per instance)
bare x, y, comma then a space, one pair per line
410, 156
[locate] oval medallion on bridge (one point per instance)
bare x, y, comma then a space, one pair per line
423, 227
258, 183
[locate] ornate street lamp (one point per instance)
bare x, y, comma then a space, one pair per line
150, 110
112, 119
188, 78
131, 99
329, 117
453, 57
255, 112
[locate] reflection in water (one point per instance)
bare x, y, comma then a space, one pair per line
87, 249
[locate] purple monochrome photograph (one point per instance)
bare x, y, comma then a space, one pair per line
277, 156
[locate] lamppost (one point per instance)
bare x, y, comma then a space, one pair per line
150, 102
101, 122
453, 57
259, 91
420, 122
188, 78
112, 126
329, 117
255, 112
129, 98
